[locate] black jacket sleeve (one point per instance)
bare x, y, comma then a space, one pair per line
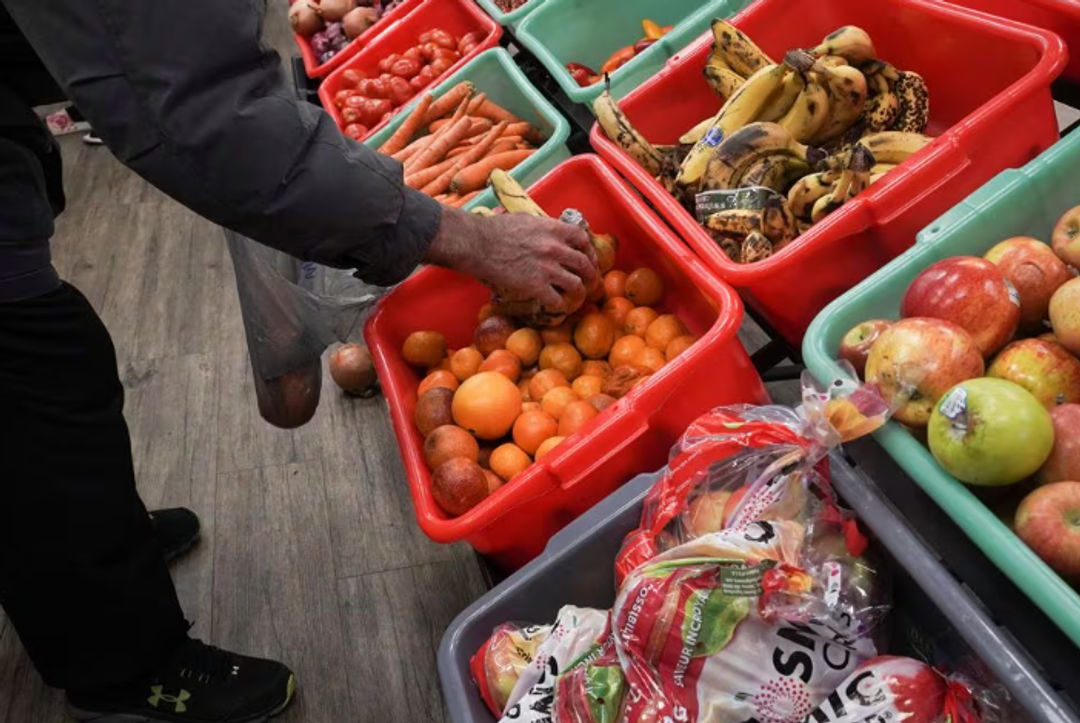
183, 93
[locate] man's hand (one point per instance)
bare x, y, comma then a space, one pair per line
523, 257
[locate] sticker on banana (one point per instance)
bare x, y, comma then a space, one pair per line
734, 155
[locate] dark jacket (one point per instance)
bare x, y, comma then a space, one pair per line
184, 94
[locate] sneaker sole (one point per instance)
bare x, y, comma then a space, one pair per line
182, 550
92, 717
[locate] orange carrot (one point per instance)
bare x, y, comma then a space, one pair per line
501, 145
474, 154
514, 139
497, 113
408, 128
449, 102
426, 175
476, 101
463, 106
458, 151
443, 143
464, 199
519, 128
479, 125
474, 177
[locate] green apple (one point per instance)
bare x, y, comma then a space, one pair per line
990, 432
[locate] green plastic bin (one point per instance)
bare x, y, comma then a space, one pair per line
495, 73
589, 31
1015, 202
511, 18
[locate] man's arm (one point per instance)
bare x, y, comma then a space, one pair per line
183, 93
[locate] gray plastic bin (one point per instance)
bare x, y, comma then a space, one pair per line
577, 568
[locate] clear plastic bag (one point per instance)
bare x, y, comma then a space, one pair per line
292, 311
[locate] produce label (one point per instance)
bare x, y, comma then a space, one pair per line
954, 406
751, 197
1014, 295
713, 137
744, 580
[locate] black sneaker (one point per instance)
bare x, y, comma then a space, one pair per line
177, 529
201, 684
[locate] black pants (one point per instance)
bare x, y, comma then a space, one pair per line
81, 573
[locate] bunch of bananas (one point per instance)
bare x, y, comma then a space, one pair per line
816, 128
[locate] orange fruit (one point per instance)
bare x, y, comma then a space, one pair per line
560, 334
601, 402
530, 407
638, 319
424, 348
644, 287
494, 482
649, 357
532, 428
492, 333
544, 381
605, 245
615, 284
616, 309
485, 311
596, 368
508, 460
525, 344
575, 416
504, 363
563, 357
556, 400
624, 349
547, 445
437, 378
678, 345
433, 409
447, 442
466, 362
585, 386
594, 335
596, 291
523, 387
487, 404
662, 330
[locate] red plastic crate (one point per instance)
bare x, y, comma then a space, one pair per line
631, 436
1061, 16
990, 106
455, 16
315, 69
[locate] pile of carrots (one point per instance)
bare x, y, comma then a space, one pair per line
450, 145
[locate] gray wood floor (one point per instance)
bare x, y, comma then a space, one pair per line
310, 552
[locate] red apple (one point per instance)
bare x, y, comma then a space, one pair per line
1064, 460
855, 346
970, 292
1036, 272
1048, 521
1066, 237
1065, 315
917, 360
1044, 368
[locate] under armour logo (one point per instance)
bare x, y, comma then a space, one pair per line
177, 700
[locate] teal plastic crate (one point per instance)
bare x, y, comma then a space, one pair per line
512, 18
589, 31
1025, 202
495, 73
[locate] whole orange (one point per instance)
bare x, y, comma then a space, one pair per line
678, 345
560, 334
438, 378
624, 349
487, 404
586, 385
615, 284
556, 400
563, 357
504, 363
525, 344
662, 330
644, 287
596, 368
465, 362
508, 460
574, 417
544, 381
638, 320
594, 335
547, 445
649, 357
532, 428
424, 348
616, 309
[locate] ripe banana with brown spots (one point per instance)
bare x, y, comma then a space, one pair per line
850, 42
618, 128
852, 180
739, 52
846, 86
914, 99
807, 190
735, 153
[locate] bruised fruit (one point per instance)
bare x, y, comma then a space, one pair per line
638, 319
525, 344
563, 357
532, 428
544, 381
487, 404
644, 287
458, 485
433, 410
492, 333
547, 445
601, 402
508, 460
351, 369
594, 335
466, 362
504, 363
439, 378
447, 442
424, 348
556, 400
574, 416
586, 386
623, 379
596, 368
